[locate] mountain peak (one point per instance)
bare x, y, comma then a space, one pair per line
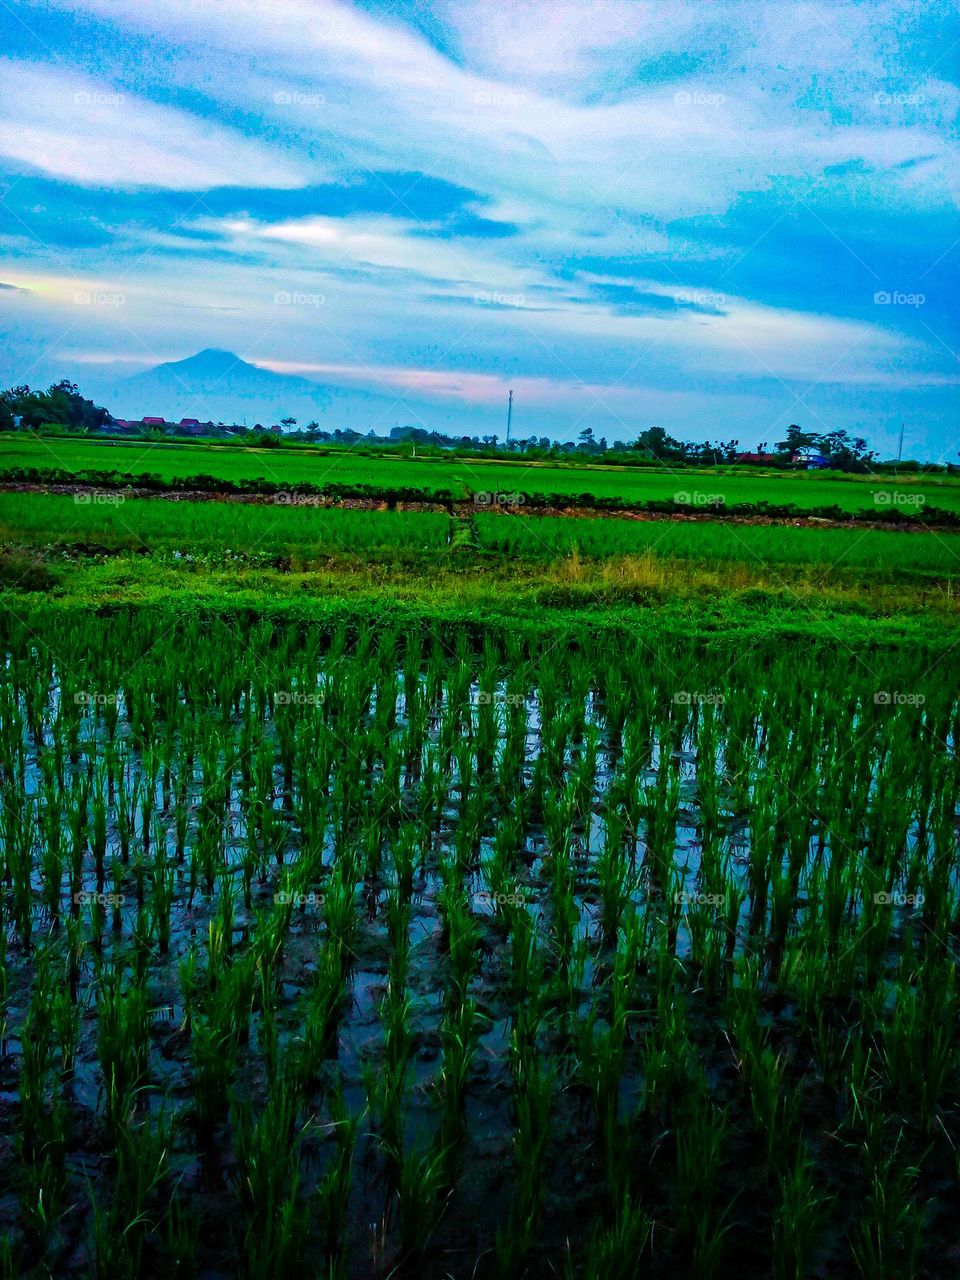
209, 360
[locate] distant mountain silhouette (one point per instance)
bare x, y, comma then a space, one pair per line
219, 386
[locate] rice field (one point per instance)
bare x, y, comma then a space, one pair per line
879, 550
114, 522
463, 477
452, 951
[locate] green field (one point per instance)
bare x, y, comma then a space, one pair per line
471, 896
462, 478
535, 947
883, 551
117, 523
114, 522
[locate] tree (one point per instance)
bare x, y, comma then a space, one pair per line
60, 404
796, 440
846, 453
288, 422
656, 443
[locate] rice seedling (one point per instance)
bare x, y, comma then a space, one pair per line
333, 1190
800, 1221
655, 950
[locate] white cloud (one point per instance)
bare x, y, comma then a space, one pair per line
548, 109
385, 244
97, 134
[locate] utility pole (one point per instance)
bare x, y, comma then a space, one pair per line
509, 414
900, 449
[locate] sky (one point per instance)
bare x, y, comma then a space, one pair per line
720, 217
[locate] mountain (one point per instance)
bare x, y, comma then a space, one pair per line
219, 386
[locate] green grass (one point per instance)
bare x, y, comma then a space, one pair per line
462, 478
269, 528
881, 551
136, 523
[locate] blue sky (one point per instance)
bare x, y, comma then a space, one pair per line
716, 217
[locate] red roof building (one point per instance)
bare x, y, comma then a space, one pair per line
759, 459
